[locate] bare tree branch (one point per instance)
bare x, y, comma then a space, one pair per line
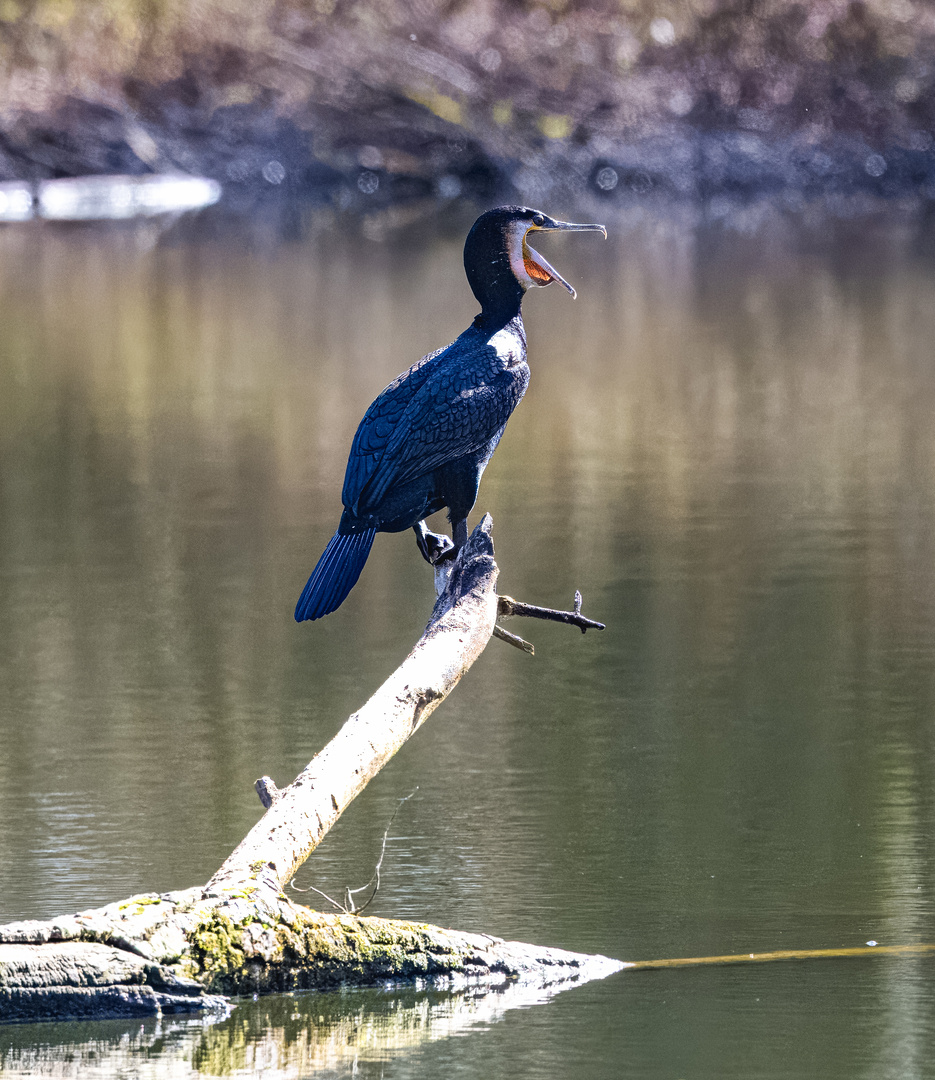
507, 607
514, 639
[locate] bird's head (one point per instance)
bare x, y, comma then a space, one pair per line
501, 264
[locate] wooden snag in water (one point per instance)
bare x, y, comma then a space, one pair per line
240, 933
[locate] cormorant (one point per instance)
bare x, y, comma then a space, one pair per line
425, 441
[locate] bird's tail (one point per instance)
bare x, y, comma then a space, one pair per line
335, 575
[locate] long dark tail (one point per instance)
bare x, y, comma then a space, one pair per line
335, 575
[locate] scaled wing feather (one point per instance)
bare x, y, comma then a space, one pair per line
456, 411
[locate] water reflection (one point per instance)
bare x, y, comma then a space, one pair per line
354, 1032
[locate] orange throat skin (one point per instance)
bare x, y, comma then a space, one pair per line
539, 275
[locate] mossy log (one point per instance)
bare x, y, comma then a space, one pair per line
240, 933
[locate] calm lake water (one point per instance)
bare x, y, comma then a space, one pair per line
728, 445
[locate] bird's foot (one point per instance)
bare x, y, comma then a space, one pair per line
435, 547
448, 554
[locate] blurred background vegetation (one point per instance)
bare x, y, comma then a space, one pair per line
391, 102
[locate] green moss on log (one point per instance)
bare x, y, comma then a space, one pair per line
216, 958
305, 949
139, 902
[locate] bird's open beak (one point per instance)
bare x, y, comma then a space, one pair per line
539, 268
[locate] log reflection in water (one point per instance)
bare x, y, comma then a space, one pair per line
283, 1035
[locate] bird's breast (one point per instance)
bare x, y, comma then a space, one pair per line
509, 348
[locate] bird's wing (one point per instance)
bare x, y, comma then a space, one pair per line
463, 403
378, 425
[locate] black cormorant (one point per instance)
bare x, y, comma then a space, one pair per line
425, 441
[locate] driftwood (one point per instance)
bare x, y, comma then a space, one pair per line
240, 933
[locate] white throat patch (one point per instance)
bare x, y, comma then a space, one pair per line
515, 238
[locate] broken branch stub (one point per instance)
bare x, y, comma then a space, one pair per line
507, 607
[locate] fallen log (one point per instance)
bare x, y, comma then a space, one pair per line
241, 933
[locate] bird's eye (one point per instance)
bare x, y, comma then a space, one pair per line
538, 219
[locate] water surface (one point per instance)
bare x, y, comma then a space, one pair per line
728, 445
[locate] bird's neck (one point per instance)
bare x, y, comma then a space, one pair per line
493, 319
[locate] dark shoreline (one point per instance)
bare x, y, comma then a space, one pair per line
681, 165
